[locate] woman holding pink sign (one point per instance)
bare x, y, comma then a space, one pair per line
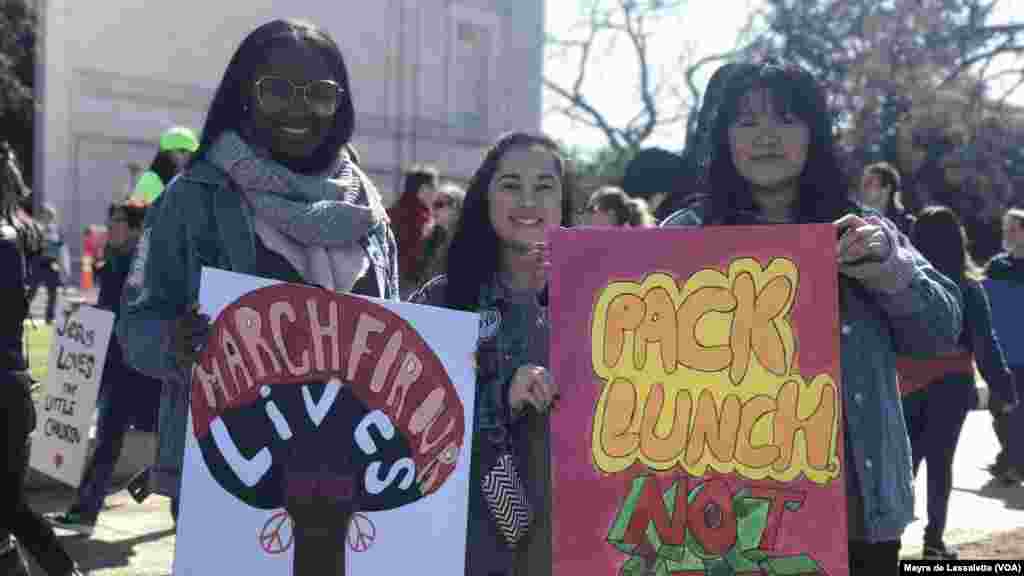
771, 161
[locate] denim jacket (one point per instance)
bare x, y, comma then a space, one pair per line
200, 220
920, 318
513, 331
510, 336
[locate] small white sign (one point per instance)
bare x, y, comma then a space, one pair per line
78, 351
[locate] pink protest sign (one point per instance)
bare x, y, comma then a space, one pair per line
701, 431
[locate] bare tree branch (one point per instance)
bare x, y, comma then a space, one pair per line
596, 118
633, 26
1020, 82
634, 31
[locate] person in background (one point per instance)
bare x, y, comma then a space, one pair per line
944, 387
880, 191
177, 145
273, 191
17, 410
447, 206
446, 209
610, 206
412, 219
772, 161
47, 268
1009, 266
652, 175
497, 266
128, 397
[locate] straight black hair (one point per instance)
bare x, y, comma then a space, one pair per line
235, 89
823, 185
940, 237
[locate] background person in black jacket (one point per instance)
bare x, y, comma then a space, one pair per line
18, 411
936, 414
128, 398
1008, 266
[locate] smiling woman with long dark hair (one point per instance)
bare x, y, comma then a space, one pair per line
497, 267
275, 191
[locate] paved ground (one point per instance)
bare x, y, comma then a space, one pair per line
130, 539
979, 508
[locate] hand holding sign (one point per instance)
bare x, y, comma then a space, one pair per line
191, 331
326, 405
532, 384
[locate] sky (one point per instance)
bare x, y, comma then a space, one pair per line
704, 27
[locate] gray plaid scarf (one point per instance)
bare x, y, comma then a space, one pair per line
315, 222
332, 209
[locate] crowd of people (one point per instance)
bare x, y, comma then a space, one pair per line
273, 188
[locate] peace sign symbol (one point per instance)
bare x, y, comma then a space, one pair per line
271, 539
361, 533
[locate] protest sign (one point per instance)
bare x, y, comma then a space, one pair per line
78, 351
701, 428
328, 433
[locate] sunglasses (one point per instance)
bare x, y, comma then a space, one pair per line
274, 95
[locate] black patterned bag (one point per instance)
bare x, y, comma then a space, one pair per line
505, 494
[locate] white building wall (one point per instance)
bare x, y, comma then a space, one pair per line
116, 73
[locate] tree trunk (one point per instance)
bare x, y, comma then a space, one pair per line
320, 547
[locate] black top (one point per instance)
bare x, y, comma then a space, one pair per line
13, 301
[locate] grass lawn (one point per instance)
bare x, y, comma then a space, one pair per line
37, 346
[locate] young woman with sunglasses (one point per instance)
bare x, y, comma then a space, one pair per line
273, 191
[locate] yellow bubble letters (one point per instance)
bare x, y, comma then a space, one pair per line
702, 376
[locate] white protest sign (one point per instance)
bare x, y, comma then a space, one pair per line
327, 434
78, 351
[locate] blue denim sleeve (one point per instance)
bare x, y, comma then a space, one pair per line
393, 265
162, 281
987, 351
924, 308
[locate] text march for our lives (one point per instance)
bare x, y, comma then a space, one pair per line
60, 444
